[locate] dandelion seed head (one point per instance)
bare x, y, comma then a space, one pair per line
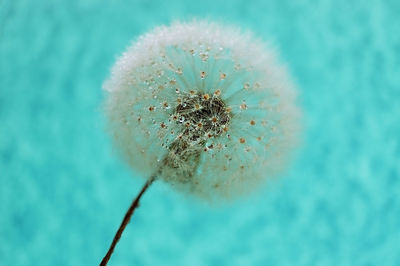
207, 105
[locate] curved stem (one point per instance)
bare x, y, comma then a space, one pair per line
125, 221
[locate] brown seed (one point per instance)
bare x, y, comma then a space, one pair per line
179, 71
242, 140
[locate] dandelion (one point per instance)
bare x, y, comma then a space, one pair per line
204, 107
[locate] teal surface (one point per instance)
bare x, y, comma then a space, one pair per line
63, 190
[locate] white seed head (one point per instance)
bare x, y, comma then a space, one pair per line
204, 106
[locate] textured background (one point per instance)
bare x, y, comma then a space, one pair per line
63, 191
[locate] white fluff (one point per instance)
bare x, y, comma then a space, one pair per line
168, 63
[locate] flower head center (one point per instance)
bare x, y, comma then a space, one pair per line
204, 115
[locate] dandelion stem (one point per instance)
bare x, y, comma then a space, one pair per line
126, 220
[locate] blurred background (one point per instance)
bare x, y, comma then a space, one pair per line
64, 191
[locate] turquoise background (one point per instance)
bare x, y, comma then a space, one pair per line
63, 190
